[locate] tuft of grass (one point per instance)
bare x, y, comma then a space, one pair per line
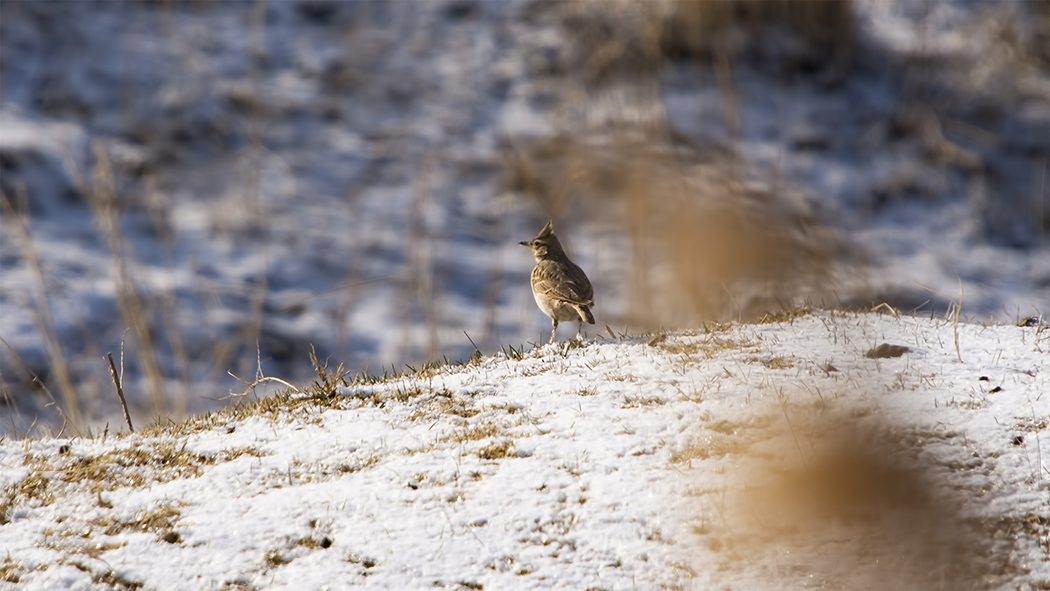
36, 486
476, 433
497, 450
705, 349
656, 339
160, 521
327, 382
347, 468
513, 354
274, 558
11, 571
641, 401
312, 543
364, 561
137, 466
783, 315
571, 344
129, 467
458, 408
778, 362
952, 314
112, 580
403, 393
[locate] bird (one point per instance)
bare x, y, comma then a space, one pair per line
560, 287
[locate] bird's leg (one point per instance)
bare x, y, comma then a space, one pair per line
579, 331
554, 329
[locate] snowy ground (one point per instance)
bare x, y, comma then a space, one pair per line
745, 456
355, 177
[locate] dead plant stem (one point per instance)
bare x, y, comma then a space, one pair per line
120, 390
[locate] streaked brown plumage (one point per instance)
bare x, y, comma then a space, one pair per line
560, 287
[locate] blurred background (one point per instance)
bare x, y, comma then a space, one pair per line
223, 186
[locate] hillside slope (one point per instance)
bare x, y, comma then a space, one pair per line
773, 456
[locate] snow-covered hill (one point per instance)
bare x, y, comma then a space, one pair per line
785, 455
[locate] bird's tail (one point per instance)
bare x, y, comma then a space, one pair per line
585, 314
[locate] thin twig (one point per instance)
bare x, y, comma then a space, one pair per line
476, 350
257, 382
954, 311
120, 391
896, 313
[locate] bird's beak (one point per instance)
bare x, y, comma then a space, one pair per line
525, 243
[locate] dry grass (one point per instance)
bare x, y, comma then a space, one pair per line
778, 362
102, 196
642, 401
290, 550
10, 571
70, 407
783, 315
497, 450
130, 467
159, 520
112, 580
477, 432
705, 348
364, 561
35, 486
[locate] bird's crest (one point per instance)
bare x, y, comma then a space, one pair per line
546, 231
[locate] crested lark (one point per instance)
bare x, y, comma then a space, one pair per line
561, 288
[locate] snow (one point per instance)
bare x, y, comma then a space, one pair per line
344, 169
619, 464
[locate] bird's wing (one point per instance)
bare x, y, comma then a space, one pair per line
564, 282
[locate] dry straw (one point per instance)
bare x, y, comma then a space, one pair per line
45, 326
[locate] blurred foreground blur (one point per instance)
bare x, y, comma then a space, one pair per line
827, 500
